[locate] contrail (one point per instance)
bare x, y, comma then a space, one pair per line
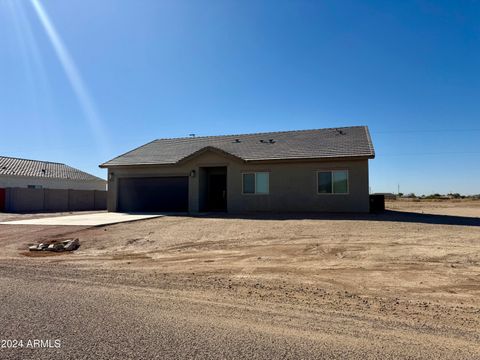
74, 77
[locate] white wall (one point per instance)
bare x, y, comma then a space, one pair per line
10, 181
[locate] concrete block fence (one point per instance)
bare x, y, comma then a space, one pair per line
18, 200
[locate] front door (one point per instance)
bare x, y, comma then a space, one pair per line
217, 192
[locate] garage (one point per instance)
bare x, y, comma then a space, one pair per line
153, 194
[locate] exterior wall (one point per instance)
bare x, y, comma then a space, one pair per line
100, 200
24, 200
55, 200
293, 185
81, 200
11, 181
35, 200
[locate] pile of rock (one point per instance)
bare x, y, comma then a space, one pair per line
64, 245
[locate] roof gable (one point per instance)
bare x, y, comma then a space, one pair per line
348, 142
208, 149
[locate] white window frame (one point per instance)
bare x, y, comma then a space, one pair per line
255, 182
332, 171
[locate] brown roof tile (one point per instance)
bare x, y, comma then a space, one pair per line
346, 142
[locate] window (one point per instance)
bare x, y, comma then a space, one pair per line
249, 183
256, 183
261, 183
325, 182
332, 182
34, 186
340, 182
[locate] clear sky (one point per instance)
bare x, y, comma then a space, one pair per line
84, 81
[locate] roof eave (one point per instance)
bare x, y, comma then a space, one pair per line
250, 161
305, 159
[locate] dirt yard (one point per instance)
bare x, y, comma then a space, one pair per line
406, 281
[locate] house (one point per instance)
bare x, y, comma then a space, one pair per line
323, 170
35, 174
33, 185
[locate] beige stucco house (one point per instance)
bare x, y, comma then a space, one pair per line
34, 185
37, 174
323, 170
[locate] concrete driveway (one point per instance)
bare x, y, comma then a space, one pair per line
93, 219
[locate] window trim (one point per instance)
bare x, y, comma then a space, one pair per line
255, 182
332, 171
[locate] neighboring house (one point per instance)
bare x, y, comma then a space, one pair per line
32, 186
290, 171
24, 173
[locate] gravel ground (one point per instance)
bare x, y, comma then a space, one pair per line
113, 315
404, 284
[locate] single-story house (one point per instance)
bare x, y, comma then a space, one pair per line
33, 185
36, 174
323, 170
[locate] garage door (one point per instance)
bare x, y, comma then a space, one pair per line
153, 194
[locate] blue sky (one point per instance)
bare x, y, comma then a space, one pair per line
137, 70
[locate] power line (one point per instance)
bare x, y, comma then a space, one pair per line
430, 153
423, 131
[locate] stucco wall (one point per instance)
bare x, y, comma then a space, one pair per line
55, 199
24, 200
293, 185
34, 200
11, 181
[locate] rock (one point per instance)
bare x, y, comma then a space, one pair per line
35, 247
56, 247
66, 245
71, 245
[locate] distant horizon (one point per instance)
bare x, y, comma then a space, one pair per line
413, 195
80, 91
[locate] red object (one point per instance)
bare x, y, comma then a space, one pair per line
2, 200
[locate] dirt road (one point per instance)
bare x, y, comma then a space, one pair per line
396, 285
107, 315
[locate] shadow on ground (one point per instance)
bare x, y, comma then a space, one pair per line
388, 215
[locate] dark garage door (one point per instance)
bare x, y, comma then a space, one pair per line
153, 194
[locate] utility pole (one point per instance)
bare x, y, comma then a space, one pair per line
398, 189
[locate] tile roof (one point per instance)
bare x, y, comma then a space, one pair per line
346, 142
44, 169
